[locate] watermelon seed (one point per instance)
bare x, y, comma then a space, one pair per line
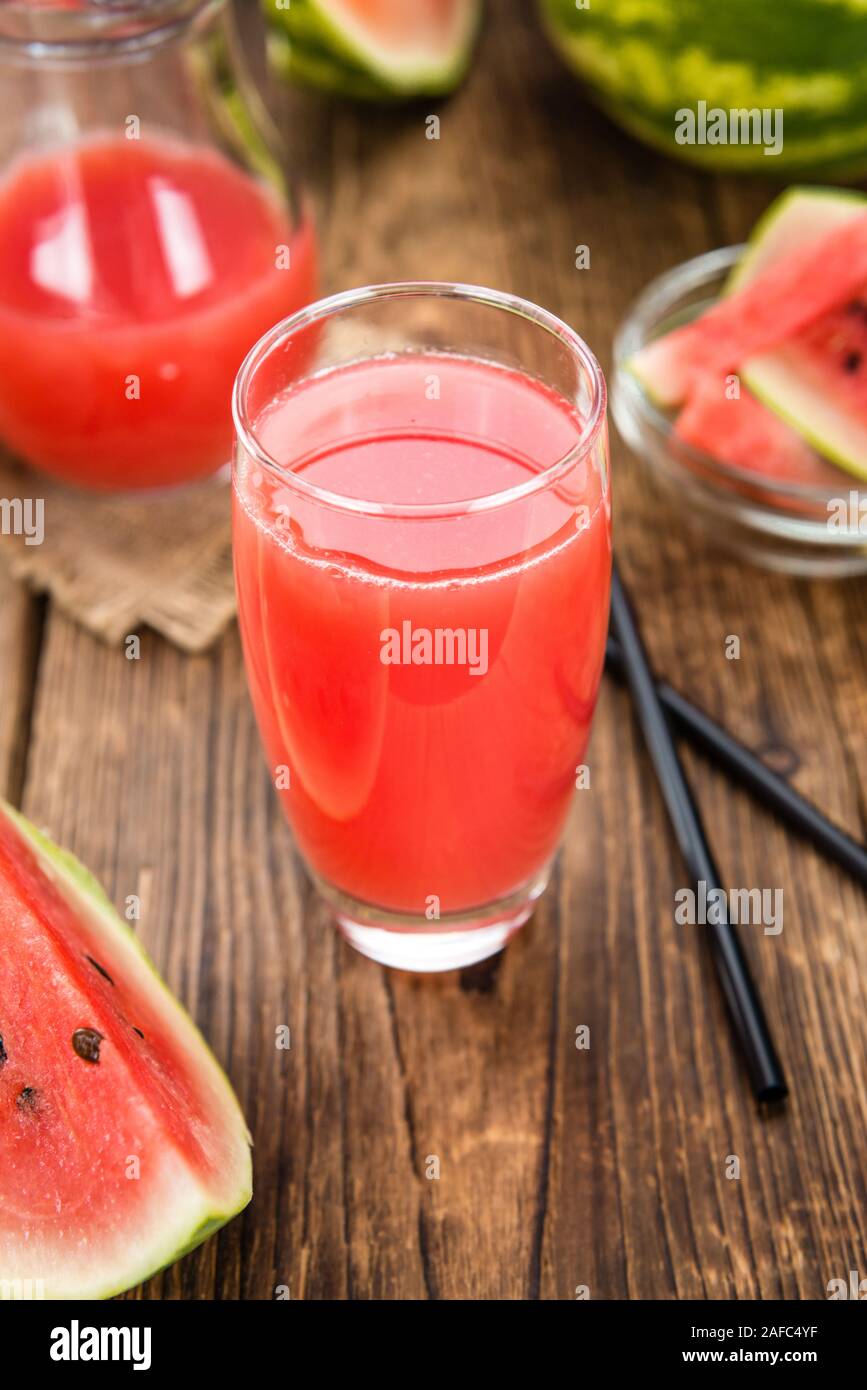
86, 1043
28, 1099
138, 1030
852, 361
103, 972
4, 1055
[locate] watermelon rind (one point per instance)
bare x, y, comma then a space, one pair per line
326, 45
644, 60
798, 214
315, 68
779, 381
651, 370
651, 382
191, 1213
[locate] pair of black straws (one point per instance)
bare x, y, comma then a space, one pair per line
660, 709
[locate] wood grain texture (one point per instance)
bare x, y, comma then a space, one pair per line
20, 639
558, 1167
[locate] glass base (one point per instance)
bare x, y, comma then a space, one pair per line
406, 941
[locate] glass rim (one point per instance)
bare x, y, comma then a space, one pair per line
93, 28
331, 305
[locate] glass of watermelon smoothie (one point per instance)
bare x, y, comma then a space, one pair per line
148, 237
422, 556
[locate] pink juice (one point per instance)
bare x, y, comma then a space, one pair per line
134, 277
421, 764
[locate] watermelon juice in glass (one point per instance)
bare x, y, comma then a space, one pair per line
148, 237
422, 556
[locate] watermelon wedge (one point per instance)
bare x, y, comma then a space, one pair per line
817, 380
781, 299
797, 217
817, 383
122, 1143
743, 433
378, 49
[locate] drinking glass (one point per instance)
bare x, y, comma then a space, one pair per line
422, 547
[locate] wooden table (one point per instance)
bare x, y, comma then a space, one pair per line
558, 1167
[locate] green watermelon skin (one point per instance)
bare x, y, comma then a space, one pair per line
313, 66
307, 43
644, 60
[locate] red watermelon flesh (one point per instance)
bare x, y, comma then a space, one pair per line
781, 301
122, 1143
745, 434
817, 382
840, 338
426, 23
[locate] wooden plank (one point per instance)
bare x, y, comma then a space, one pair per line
20, 637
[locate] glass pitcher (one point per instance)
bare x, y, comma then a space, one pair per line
148, 236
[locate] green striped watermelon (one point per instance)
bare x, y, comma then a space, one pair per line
645, 60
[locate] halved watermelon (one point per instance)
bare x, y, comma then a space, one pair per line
122, 1143
373, 48
784, 297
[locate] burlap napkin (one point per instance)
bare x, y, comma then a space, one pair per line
114, 563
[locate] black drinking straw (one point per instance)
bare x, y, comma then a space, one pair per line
751, 1028
747, 768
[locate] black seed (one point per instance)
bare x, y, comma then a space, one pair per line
857, 306
28, 1099
4, 1055
852, 361
86, 1043
137, 1030
103, 972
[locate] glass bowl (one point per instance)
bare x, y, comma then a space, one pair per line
785, 526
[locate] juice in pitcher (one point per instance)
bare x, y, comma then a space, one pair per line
150, 233
135, 275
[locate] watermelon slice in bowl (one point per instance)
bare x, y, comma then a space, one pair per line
797, 217
767, 307
373, 49
792, 321
746, 478
123, 1144
743, 434
816, 380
